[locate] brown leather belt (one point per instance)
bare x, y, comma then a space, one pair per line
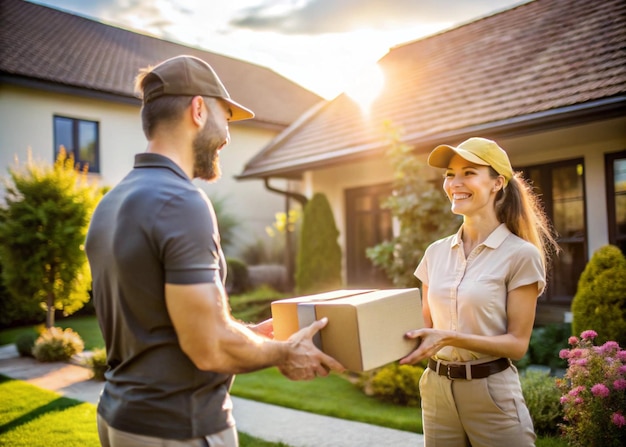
466, 371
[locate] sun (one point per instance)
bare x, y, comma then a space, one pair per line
366, 87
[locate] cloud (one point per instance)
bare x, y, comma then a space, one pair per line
336, 16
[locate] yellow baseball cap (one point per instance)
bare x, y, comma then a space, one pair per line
480, 151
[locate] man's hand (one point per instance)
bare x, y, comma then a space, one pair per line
304, 361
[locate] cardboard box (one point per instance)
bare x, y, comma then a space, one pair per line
366, 331
285, 312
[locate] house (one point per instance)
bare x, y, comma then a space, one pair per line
546, 79
68, 80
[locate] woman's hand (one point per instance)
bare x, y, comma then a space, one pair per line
430, 341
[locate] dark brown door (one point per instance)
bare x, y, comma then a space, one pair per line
367, 225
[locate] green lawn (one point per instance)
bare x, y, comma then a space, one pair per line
33, 417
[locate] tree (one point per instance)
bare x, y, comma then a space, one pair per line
420, 207
318, 265
43, 225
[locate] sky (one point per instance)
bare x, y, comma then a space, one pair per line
323, 45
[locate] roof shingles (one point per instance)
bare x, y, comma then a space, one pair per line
48, 45
539, 56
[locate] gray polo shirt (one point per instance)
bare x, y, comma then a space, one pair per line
154, 227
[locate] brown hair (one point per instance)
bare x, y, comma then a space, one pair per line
520, 209
159, 111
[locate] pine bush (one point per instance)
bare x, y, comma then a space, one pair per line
318, 265
600, 300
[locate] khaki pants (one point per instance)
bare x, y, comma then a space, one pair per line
111, 437
488, 412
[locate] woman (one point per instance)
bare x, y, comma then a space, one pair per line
479, 291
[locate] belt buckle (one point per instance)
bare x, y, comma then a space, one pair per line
449, 368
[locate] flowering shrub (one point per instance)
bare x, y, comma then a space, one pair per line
57, 345
594, 393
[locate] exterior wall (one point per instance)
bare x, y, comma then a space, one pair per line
254, 206
334, 181
26, 122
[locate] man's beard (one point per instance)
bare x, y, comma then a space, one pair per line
206, 164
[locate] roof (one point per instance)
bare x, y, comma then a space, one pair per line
54, 49
532, 65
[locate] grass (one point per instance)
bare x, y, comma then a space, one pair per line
332, 396
29, 413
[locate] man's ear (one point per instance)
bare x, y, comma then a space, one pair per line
198, 110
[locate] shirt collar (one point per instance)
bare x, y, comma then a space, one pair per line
152, 160
494, 240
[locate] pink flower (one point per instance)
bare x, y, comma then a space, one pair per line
580, 362
574, 353
576, 391
620, 384
564, 353
589, 335
578, 400
622, 355
600, 390
618, 419
622, 369
572, 340
564, 399
609, 347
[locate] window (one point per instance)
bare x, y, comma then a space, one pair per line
616, 195
80, 138
562, 190
367, 225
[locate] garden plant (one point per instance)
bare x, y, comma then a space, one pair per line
594, 393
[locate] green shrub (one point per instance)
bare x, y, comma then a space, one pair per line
254, 306
600, 300
318, 266
25, 344
237, 279
43, 224
545, 344
397, 384
56, 345
98, 363
542, 397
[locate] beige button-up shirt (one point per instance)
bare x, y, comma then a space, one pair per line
469, 295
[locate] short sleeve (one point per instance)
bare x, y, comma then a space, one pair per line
188, 240
421, 272
527, 269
